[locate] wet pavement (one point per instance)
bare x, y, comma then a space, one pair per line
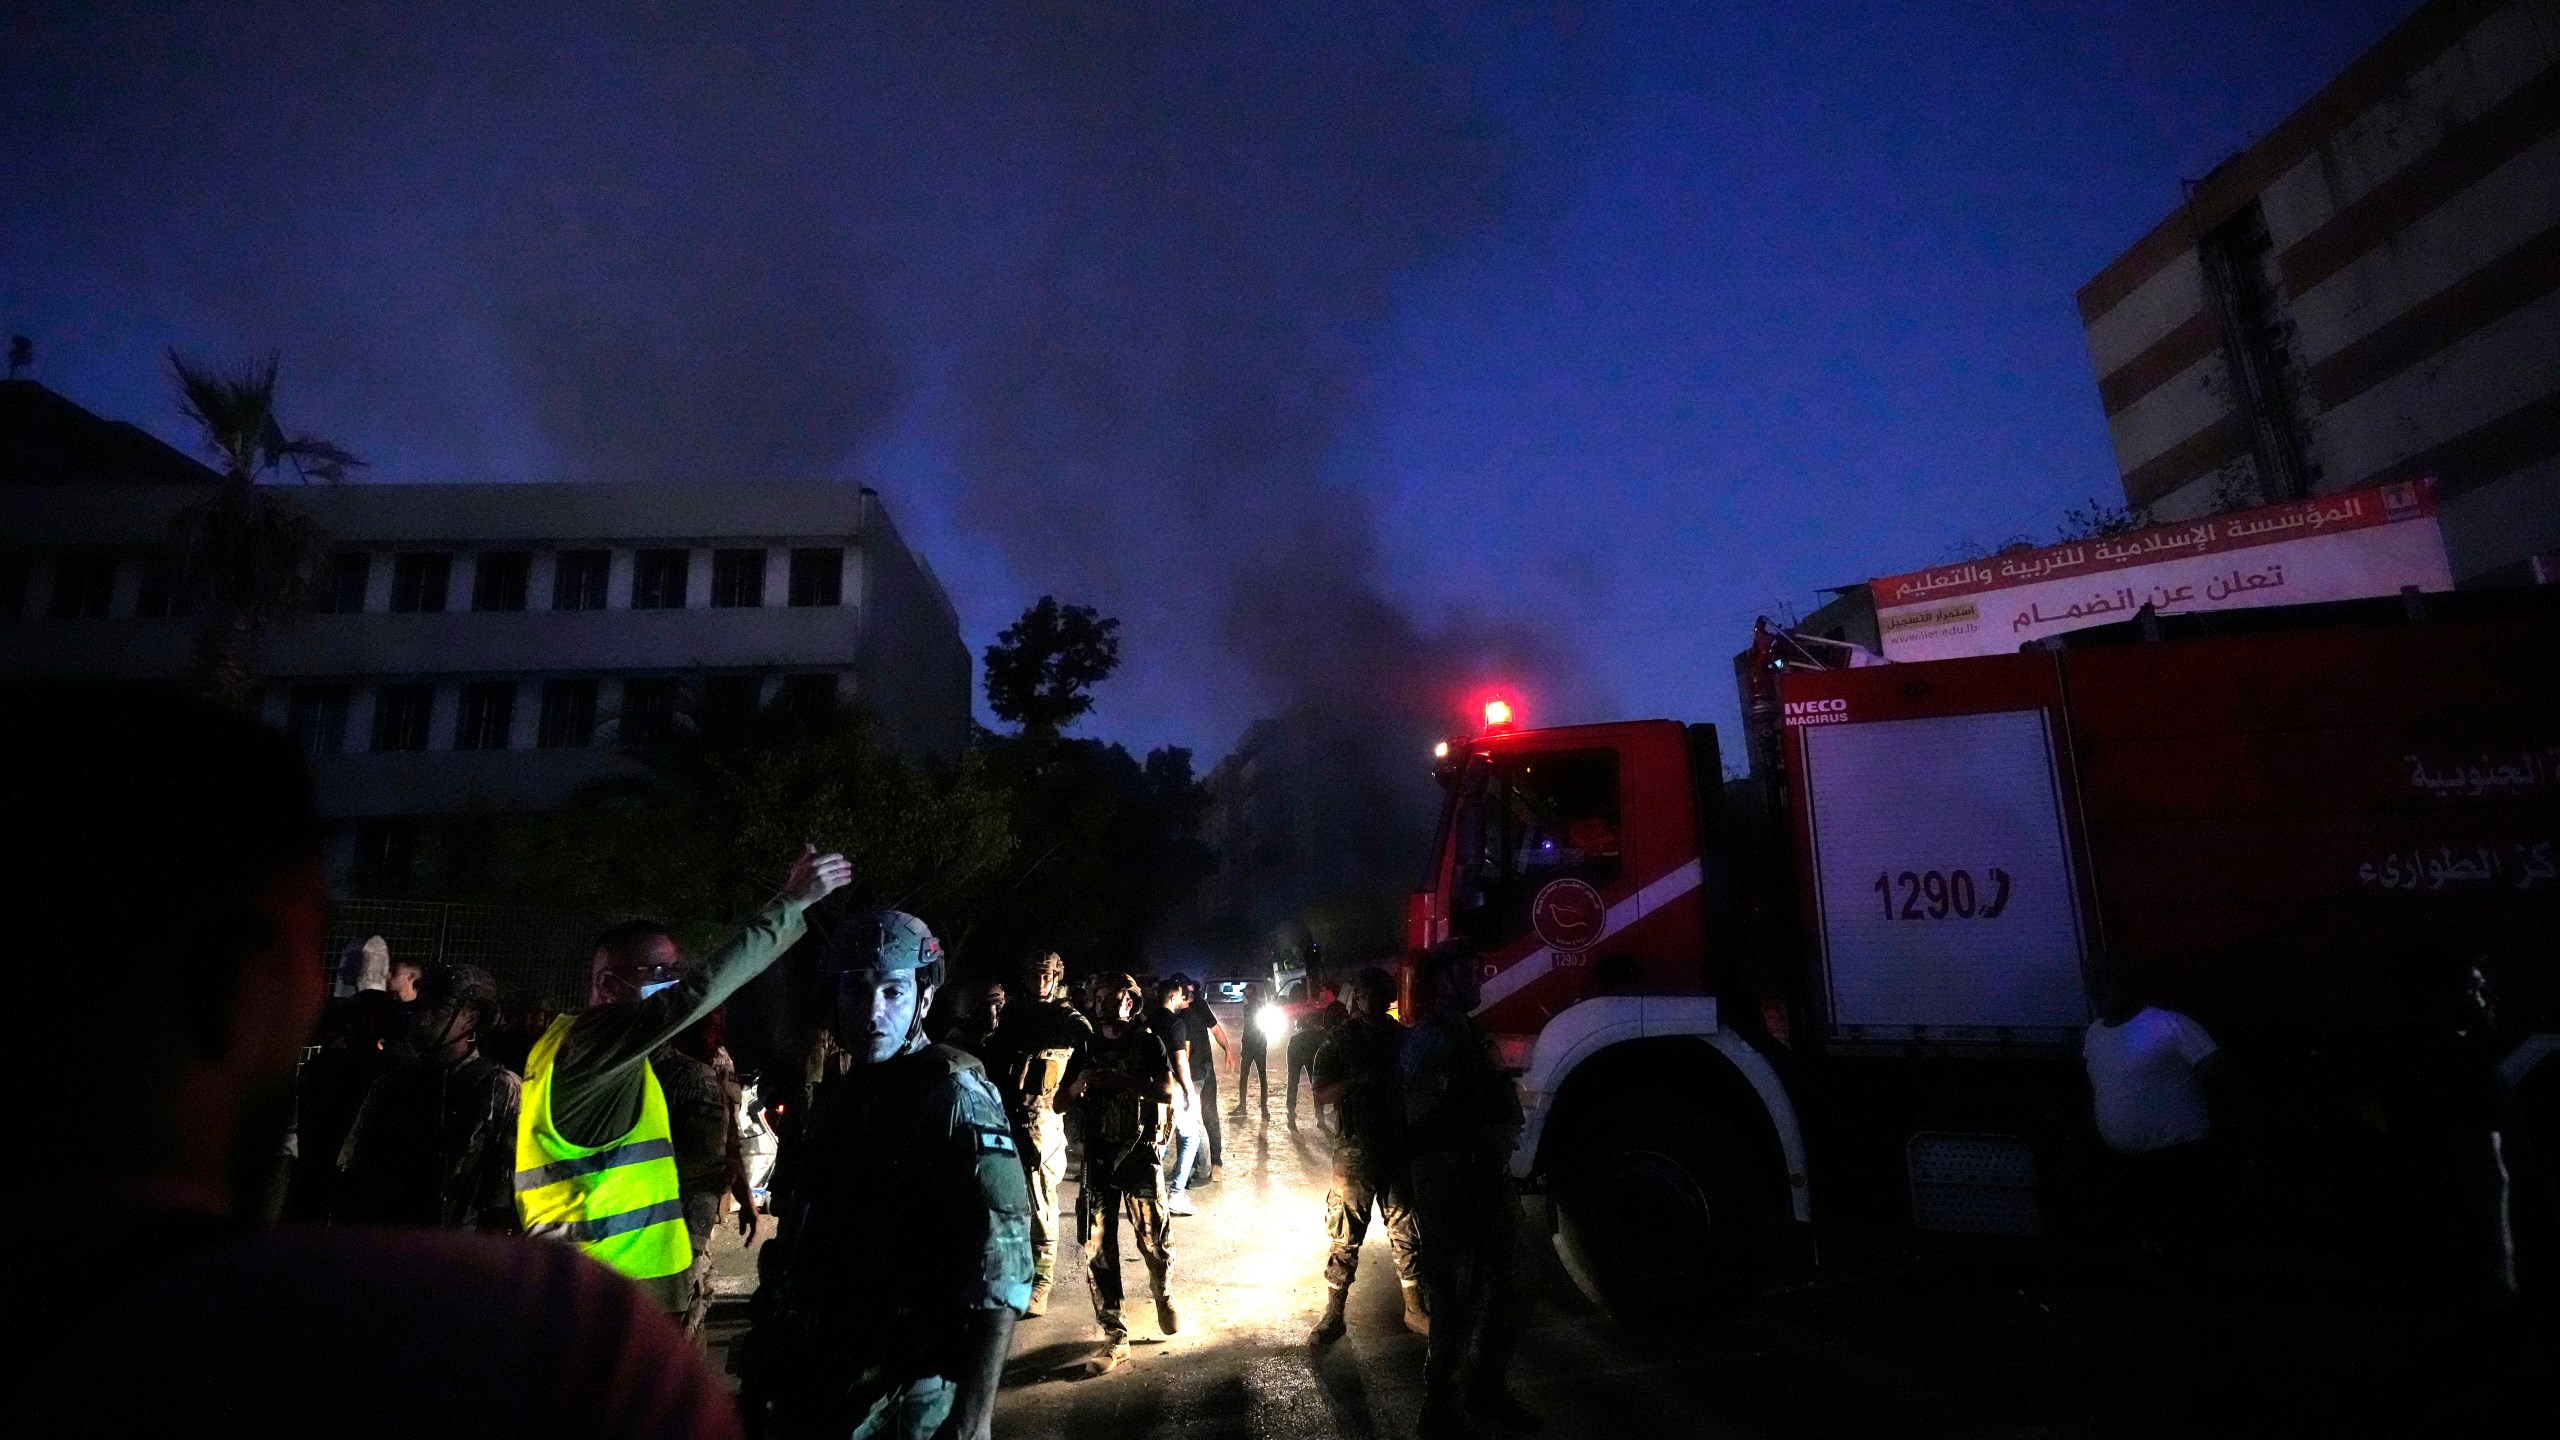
1987, 1343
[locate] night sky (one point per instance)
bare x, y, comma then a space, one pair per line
1441, 343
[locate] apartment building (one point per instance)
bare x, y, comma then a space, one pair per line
493, 648
2369, 293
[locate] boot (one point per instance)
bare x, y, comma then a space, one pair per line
1168, 1319
1329, 1326
1039, 1305
1417, 1314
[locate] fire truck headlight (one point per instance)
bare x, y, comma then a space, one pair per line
1440, 751
1273, 1022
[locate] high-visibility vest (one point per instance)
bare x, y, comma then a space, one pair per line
618, 1201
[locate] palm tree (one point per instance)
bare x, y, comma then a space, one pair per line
245, 556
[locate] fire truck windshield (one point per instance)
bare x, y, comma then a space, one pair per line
1522, 821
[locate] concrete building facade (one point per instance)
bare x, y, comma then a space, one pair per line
494, 648
2369, 293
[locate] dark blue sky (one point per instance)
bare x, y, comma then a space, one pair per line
1568, 339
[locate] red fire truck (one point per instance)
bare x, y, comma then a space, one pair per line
1842, 998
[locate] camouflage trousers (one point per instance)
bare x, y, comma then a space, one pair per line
1098, 1215
1044, 1166
1358, 1186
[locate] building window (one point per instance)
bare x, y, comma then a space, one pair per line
84, 587
730, 701
657, 581
386, 855
809, 694
15, 571
568, 714
400, 716
498, 581
343, 584
418, 582
817, 577
737, 579
317, 718
488, 715
648, 710
578, 581
158, 596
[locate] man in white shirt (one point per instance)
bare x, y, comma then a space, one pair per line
2151, 1071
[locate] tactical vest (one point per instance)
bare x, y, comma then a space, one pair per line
619, 1201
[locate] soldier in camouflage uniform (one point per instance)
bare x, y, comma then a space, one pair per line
1123, 1099
909, 1242
1462, 1117
1039, 1042
1357, 1072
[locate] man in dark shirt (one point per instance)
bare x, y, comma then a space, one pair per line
640, 996
1123, 1097
1462, 1116
1208, 1037
909, 1236
355, 1050
1357, 1072
1039, 1043
1172, 1022
435, 1141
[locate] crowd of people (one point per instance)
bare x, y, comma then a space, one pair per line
421, 1133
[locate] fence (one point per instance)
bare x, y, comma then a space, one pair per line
545, 951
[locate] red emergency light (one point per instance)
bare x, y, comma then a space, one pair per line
1497, 714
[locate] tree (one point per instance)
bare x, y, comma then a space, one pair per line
2098, 520
692, 838
245, 558
1041, 671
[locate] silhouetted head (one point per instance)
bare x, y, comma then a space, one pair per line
162, 850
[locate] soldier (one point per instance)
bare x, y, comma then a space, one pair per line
1462, 1116
1040, 1040
434, 1143
1357, 1072
909, 1237
1123, 1097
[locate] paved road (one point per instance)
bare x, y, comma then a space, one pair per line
1978, 1345
1981, 1345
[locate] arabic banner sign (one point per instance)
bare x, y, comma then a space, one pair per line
2337, 547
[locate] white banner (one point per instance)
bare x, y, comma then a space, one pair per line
2339, 547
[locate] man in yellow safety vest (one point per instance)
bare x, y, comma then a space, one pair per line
595, 1159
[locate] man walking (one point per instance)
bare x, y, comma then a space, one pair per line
1123, 1098
595, 1155
909, 1234
1040, 1040
1253, 1051
1358, 1072
434, 1142
1209, 1040
1462, 1116
1173, 1024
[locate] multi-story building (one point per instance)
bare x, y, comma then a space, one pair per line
494, 648
2369, 293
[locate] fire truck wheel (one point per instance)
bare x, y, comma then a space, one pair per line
1664, 1217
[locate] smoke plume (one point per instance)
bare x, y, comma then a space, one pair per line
1123, 265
